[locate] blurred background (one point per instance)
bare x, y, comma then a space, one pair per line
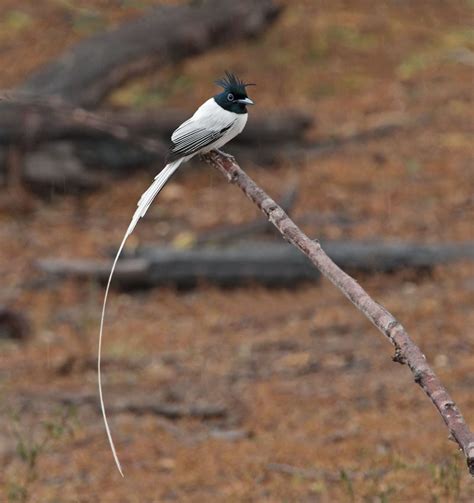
232, 372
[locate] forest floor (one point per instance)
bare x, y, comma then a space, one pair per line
303, 400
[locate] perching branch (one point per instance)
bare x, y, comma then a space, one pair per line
406, 350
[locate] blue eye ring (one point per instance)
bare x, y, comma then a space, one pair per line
230, 97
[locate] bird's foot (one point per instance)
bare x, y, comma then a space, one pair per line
224, 154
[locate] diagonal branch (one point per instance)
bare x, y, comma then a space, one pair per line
406, 350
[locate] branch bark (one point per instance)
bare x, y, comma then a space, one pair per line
406, 351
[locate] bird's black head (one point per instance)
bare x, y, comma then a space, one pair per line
234, 97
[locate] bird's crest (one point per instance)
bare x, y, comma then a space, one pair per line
232, 83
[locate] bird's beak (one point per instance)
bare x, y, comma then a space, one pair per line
246, 101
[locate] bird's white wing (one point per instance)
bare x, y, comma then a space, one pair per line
193, 141
208, 124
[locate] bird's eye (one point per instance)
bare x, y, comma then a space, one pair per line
230, 97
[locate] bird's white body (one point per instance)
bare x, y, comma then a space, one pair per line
209, 128
203, 128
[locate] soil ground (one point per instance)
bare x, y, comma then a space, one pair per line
315, 410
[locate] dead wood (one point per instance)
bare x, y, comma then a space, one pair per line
268, 264
91, 69
146, 404
29, 121
264, 142
122, 140
272, 264
62, 142
130, 273
373, 256
80, 141
406, 351
170, 411
260, 143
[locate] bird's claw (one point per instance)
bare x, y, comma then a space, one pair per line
224, 154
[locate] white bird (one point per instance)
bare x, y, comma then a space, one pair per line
214, 123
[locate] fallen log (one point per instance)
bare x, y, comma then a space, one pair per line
389, 257
120, 140
264, 142
272, 264
95, 141
141, 404
124, 140
61, 142
131, 273
145, 405
91, 69
31, 121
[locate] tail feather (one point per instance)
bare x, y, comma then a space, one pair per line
149, 195
143, 204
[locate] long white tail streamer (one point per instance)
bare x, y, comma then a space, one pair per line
143, 205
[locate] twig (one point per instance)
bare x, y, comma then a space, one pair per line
406, 350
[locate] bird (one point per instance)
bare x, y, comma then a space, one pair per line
216, 122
